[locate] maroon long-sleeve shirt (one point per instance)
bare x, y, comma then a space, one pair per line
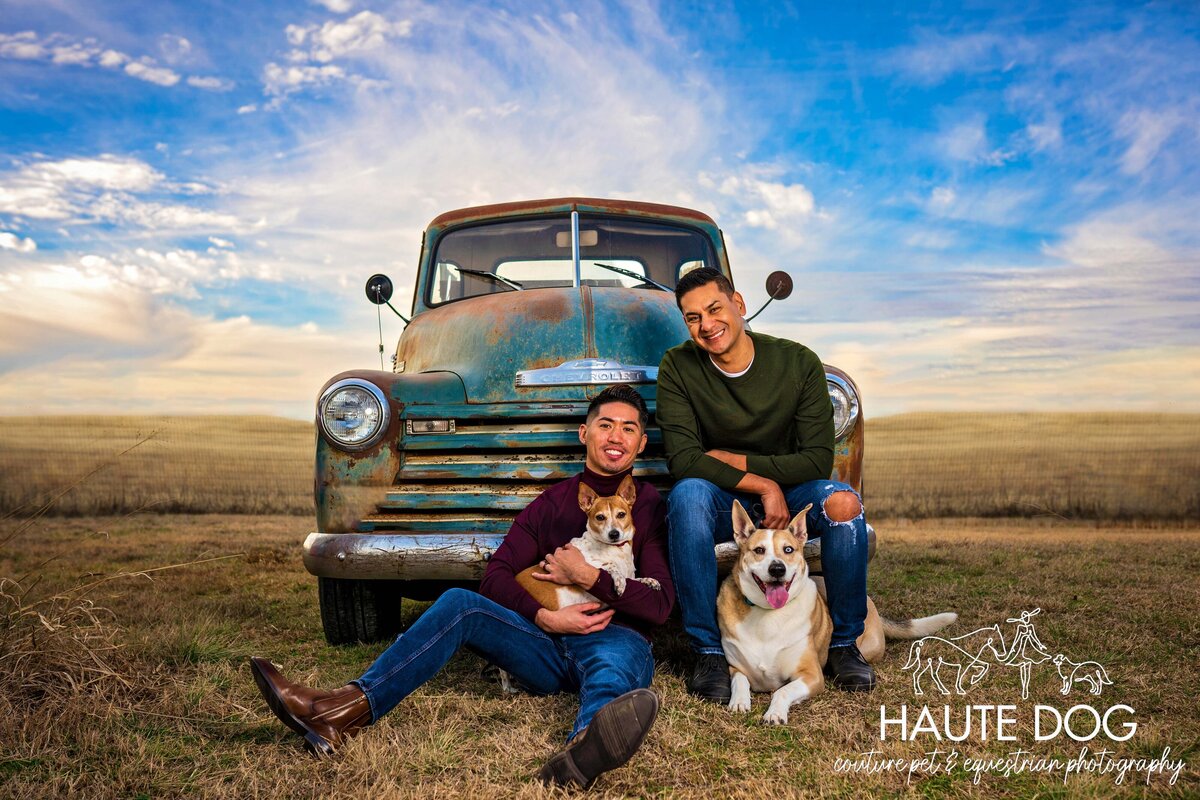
555, 518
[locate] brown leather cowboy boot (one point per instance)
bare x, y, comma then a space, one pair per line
325, 719
611, 739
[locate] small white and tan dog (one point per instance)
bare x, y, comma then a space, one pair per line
606, 543
775, 625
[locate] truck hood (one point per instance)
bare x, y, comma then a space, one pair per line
488, 342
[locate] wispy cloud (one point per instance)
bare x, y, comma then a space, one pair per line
67, 51
103, 189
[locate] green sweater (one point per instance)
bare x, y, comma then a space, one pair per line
778, 414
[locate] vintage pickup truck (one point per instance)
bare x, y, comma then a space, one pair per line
522, 312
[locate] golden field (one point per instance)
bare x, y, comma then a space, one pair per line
1077, 466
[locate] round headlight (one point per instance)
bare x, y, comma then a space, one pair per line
845, 405
353, 412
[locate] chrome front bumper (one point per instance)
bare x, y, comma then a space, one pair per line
449, 556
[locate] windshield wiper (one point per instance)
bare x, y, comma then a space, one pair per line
628, 273
491, 276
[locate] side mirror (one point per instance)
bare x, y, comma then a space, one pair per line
379, 288
779, 287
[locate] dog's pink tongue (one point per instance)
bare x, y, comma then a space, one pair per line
777, 596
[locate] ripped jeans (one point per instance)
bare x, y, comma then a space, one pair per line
700, 515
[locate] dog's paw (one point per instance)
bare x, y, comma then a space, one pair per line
739, 704
775, 716
506, 683
653, 584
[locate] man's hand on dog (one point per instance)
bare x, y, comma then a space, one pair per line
580, 618
567, 567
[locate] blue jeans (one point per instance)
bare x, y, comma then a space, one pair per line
700, 515
600, 666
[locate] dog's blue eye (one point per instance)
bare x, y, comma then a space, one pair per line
789, 549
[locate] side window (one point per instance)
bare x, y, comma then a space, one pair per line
447, 283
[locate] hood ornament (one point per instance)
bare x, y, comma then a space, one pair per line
587, 371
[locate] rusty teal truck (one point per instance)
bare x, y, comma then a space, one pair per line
522, 313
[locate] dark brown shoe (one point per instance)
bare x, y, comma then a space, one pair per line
614, 735
325, 719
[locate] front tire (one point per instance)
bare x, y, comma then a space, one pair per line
355, 611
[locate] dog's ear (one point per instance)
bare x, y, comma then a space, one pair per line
627, 491
586, 496
798, 526
742, 525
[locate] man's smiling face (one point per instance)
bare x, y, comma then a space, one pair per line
714, 319
614, 438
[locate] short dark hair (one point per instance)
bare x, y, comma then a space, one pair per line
620, 393
701, 277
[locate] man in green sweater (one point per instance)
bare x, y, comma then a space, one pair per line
747, 416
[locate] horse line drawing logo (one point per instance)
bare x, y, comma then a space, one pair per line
972, 655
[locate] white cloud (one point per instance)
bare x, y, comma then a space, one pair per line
78, 190
336, 6
211, 83
1046, 135
936, 57
366, 30
1109, 243
1146, 131
145, 70
10, 241
63, 50
222, 243
766, 203
174, 49
106, 172
24, 46
112, 59
72, 54
280, 81
942, 199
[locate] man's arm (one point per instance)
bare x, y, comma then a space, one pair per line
518, 551
681, 433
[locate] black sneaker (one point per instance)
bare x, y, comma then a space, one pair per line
846, 669
611, 739
710, 678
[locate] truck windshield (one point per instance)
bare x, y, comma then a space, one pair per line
536, 253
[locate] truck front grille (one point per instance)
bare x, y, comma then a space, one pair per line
477, 478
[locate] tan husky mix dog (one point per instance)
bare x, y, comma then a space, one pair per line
775, 626
606, 544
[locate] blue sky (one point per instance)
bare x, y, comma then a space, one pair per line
984, 208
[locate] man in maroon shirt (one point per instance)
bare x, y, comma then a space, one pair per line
598, 650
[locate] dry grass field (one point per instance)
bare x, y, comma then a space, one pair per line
1077, 466
229, 464
147, 693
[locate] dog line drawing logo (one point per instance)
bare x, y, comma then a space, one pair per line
973, 654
